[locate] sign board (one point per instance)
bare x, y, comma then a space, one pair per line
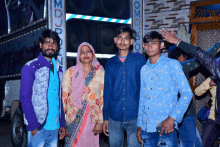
137, 24
57, 23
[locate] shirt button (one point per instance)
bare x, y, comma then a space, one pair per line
123, 80
123, 72
123, 108
123, 89
123, 99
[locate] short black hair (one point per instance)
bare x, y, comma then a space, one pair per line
50, 34
123, 29
152, 35
174, 52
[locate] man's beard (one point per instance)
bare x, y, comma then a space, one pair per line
49, 55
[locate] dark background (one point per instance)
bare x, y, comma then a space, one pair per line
15, 53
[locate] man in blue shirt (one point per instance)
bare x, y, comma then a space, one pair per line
162, 79
122, 91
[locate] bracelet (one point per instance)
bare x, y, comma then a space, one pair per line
177, 41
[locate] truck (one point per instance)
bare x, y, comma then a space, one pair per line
10, 81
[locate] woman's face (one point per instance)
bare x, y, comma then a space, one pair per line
86, 55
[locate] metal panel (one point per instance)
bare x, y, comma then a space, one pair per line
12, 90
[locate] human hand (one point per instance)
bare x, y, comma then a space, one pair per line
105, 127
167, 126
61, 133
97, 129
66, 131
169, 37
139, 135
212, 83
34, 132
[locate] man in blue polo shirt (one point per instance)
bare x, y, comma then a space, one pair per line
122, 91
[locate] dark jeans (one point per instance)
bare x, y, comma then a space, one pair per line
210, 133
188, 133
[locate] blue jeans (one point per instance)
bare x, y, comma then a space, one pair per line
198, 139
116, 133
187, 133
152, 139
43, 138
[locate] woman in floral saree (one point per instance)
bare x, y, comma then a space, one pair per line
83, 99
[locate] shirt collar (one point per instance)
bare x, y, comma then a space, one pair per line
53, 61
129, 54
159, 61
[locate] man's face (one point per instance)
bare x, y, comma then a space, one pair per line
49, 48
123, 41
153, 48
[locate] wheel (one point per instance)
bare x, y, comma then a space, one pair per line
18, 131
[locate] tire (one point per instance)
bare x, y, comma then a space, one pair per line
18, 130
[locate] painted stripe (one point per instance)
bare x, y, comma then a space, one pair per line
78, 16
87, 17
92, 18
121, 21
68, 15
128, 20
70, 54
95, 18
100, 19
83, 17
105, 19
113, 20
117, 20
